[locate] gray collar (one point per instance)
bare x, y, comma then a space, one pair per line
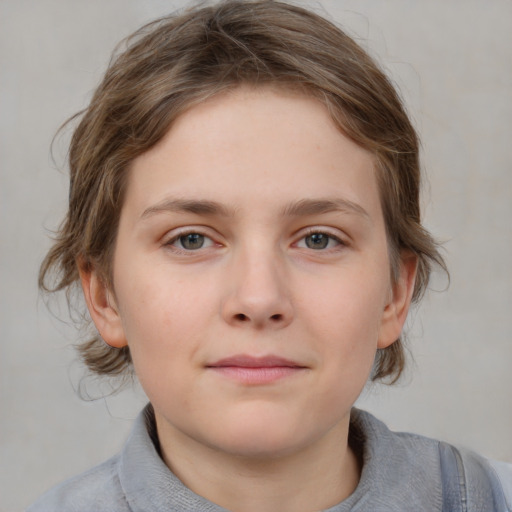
400, 471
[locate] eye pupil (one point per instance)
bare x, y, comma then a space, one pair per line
192, 241
317, 241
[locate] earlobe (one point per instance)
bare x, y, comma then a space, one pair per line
102, 308
395, 312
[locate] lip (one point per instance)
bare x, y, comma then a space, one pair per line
247, 369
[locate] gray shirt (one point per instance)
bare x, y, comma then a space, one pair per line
401, 472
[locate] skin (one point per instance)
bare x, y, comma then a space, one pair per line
279, 180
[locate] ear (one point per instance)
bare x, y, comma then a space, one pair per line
102, 308
395, 311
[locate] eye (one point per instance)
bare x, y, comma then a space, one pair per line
319, 241
191, 241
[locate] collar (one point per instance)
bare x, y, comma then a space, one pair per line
400, 471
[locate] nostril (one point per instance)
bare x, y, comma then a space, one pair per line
242, 317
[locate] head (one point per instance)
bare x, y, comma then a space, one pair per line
179, 62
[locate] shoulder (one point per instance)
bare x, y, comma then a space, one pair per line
486, 480
435, 473
96, 489
503, 473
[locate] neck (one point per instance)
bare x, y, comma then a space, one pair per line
282, 483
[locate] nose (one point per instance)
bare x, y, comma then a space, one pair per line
258, 292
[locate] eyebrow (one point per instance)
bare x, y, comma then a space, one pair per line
199, 207
306, 207
303, 207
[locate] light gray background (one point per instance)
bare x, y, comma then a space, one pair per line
453, 63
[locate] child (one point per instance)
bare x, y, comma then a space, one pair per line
244, 221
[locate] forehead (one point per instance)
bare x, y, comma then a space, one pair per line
265, 143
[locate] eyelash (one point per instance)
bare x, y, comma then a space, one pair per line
310, 232
179, 236
340, 243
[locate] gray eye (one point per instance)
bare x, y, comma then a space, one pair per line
317, 241
192, 241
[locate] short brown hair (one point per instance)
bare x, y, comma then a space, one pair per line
175, 62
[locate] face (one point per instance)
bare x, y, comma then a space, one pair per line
251, 275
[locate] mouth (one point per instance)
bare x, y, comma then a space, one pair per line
256, 370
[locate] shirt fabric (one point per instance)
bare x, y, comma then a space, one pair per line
401, 472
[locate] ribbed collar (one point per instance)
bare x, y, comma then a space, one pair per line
400, 472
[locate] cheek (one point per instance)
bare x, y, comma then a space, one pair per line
160, 317
157, 299
348, 306
344, 321
168, 316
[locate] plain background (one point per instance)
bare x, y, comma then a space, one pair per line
451, 59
